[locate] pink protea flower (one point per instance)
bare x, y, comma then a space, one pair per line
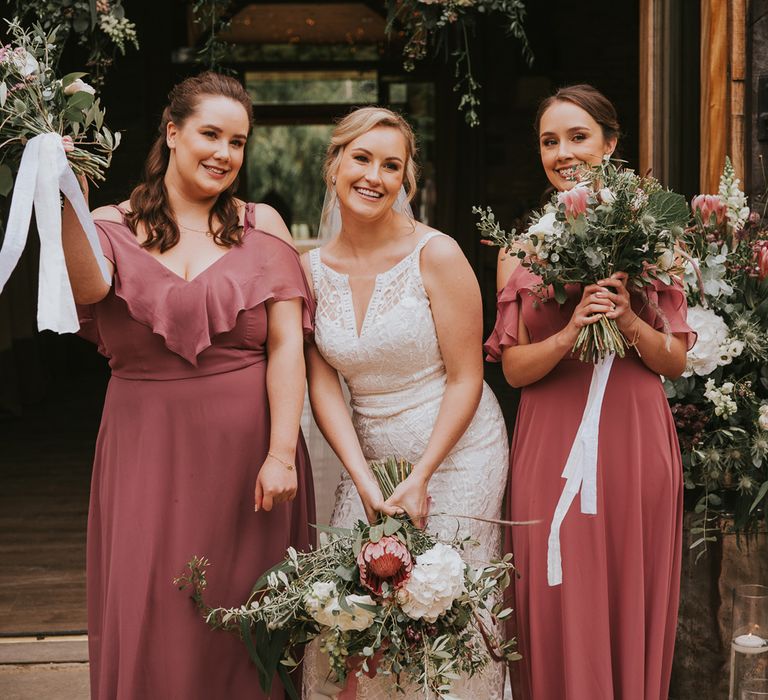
709, 205
387, 560
575, 201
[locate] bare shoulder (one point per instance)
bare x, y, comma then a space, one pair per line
111, 212
440, 250
267, 219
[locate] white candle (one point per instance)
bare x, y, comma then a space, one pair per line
750, 644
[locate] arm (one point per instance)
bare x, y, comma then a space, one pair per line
659, 354
267, 219
457, 311
332, 416
528, 362
505, 265
88, 285
285, 390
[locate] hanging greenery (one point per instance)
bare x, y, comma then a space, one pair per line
214, 18
434, 25
99, 25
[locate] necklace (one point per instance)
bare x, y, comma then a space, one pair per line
194, 230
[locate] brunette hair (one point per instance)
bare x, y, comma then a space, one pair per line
358, 122
149, 199
591, 100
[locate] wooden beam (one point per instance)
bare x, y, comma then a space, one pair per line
647, 85
714, 92
738, 74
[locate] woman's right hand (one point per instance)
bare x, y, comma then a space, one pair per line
373, 501
594, 302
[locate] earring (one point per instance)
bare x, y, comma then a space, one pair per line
333, 179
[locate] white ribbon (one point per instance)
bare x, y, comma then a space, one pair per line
44, 171
580, 470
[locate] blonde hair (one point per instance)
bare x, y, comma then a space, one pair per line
358, 122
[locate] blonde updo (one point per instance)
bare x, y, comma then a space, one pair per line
354, 125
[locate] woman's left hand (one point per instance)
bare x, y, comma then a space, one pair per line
615, 291
411, 496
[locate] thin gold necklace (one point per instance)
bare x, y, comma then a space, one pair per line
195, 230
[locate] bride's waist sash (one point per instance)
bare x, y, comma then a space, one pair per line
388, 403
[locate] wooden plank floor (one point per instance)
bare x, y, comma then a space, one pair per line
45, 467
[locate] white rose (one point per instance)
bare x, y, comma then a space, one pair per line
332, 614
544, 226
321, 593
436, 581
606, 196
762, 420
79, 86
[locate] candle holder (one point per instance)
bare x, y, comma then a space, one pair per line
754, 689
749, 642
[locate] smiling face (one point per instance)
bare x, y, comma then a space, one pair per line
569, 137
370, 173
207, 149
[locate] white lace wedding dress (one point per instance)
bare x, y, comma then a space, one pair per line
396, 378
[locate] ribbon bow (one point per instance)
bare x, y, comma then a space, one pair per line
43, 172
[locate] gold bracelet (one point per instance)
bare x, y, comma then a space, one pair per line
287, 465
633, 342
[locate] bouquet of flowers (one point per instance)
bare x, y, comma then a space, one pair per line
34, 101
612, 220
720, 404
385, 599
435, 23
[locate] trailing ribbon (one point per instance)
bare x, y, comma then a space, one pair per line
44, 171
580, 470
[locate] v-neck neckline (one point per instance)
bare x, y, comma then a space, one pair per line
374, 294
176, 275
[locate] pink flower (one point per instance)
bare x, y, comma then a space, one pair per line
709, 205
68, 143
387, 560
761, 255
575, 201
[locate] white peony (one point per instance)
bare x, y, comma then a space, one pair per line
79, 86
711, 346
436, 581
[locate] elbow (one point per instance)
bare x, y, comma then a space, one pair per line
512, 376
87, 297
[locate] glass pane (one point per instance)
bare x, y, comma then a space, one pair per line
312, 87
285, 170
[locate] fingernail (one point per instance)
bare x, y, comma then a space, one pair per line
255, 509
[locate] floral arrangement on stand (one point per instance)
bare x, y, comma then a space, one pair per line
34, 101
612, 220
384, 599
432, 25
720, 404
100, 25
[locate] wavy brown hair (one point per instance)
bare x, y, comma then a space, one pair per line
149, 199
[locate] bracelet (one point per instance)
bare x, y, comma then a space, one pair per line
287, 465
633, 342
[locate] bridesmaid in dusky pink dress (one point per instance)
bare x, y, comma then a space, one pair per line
608, 630
199, 451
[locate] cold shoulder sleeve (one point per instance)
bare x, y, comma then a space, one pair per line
667, 309
508, 307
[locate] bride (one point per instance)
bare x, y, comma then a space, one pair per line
399, 317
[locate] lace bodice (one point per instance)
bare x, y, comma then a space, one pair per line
396, 354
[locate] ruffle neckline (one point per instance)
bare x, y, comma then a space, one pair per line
188, 314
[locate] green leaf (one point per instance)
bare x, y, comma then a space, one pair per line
391, 526
668, 208
760, 496
70, 78
560, 294
3, 94
80, 100
376, 533
345, 573
6, 181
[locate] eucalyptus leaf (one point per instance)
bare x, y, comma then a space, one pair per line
3, 94
668, 208
70, 78
80, 100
